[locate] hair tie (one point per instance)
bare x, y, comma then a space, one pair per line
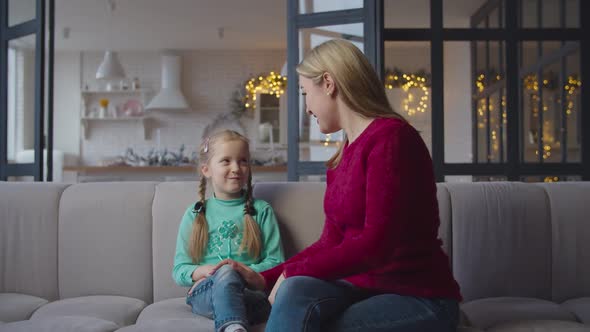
206, 148
249, 210
199, 206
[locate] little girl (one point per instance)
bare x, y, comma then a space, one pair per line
230, 226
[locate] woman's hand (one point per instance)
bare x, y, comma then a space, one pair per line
273, 292
254, 279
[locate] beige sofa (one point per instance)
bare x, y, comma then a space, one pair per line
98, 256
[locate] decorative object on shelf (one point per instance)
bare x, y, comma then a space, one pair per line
396, 78
104, 104
156, 157
135, 84
110, 68
132, 107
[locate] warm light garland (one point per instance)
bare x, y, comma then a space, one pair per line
273, 84
406, 81
531, 85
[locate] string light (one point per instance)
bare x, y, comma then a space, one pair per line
272, 84
406, 81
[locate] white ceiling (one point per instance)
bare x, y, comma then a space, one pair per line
196, 24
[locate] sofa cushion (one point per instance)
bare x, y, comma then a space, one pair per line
105, 240
487, 313
445, 232
540, 326
497, 227
184, 325
301, 224
167, 309
170, 202
120, 310
569, 209
28, 238
61, 324
15, 307
580, 307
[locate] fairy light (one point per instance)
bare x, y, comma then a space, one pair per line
409, 83
273, 84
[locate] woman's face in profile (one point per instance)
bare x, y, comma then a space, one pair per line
320, 105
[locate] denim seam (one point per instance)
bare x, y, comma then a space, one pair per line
219, 326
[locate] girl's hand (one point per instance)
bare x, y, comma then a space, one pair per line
203, 271
273, 292
220, 264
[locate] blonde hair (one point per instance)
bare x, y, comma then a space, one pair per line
200, 232
357, 83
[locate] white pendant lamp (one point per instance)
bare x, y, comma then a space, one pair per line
110, 68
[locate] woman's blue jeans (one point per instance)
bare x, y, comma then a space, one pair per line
224, 298
310, 304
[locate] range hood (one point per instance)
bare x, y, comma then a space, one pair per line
170, 97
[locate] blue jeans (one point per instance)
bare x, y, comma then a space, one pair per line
310, 304
224, 298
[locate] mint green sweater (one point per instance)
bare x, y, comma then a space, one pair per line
226, 227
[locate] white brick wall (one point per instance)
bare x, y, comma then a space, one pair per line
209, 79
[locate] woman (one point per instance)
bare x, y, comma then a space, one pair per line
378, 265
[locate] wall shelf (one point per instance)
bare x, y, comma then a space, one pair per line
87, 123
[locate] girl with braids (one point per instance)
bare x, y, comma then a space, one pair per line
229, 227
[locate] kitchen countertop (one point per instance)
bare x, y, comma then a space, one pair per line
176, 169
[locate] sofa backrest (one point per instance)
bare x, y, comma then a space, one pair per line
569, 204
501, 239
105, 240
28, 238
170, 202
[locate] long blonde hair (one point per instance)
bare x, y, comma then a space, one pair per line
357, 83
200, 233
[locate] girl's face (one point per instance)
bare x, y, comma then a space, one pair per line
228, 168
319, 104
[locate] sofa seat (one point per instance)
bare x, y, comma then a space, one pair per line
175, 308
61, 324
173, 315
120, 310
488, 313
15, 307
580, 307
540, 326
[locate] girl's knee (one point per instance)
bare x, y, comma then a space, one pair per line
226, 273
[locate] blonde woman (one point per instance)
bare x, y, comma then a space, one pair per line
378, 265
230, 226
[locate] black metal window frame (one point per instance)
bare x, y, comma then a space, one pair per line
370, 15
45, 13
511, 34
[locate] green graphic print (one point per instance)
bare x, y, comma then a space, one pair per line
227, 235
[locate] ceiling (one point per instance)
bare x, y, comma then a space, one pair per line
206, 24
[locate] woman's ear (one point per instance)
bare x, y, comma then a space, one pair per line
328, 83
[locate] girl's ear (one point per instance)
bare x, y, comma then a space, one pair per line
206, 171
